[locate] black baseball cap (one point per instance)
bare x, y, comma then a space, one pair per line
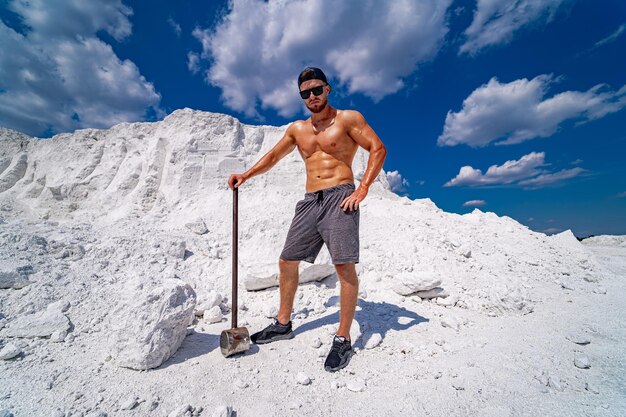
311, 73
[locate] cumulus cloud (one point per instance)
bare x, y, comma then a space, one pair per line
518, 111
57, 75
527, 172
397, 183
496, 21
474, 203
257, 50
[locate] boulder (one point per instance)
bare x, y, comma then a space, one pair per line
409, 283
149, 324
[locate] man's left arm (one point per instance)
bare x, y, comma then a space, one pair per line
364, 135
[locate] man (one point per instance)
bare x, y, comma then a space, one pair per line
329, 212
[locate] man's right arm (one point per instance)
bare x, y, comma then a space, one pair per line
283, 148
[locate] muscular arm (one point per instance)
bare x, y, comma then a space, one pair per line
284, 147
364, 135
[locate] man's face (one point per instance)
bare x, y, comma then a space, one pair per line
315, 103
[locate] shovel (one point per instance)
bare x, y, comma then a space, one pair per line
236, 339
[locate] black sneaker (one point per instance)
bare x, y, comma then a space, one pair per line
339, 355
272, 333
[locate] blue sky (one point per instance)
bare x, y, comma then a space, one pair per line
513, 107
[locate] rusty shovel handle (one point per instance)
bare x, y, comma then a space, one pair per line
235, 256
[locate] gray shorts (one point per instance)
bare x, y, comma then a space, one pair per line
319, 219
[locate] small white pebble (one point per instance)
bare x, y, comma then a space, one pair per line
9, 351
241, 384
316, 343
356, 385
303, 379
581, 361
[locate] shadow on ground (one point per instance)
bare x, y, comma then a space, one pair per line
372, 317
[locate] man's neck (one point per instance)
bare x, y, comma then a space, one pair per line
327, 113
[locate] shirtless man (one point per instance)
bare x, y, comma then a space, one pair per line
329, 212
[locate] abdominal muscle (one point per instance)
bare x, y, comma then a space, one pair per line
325, 171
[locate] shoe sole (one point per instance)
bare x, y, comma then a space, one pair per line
275, 338
329, 369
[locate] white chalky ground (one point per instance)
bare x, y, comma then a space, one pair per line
115, 286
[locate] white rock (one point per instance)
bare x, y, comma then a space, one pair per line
599, 290
294, 405
407, 283
9, 351
432, 293
555, 383
302, 378
209, 300
198, 227
241, 384
129, 403
373, 341
213, 315
447, 301
591, 388
41, 324
316, 272
581, 361
12, 279
223, 411
180, 411
316, 342
261, 276
356, 385
177, 249
149, 325
58, 336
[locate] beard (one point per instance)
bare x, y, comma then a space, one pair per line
318, 107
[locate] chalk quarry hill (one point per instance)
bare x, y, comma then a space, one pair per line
115, 253
155, 182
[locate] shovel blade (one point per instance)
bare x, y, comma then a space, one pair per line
233, 341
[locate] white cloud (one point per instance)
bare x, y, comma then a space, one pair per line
552, 178
193, 62
397, 183
59, 76
474, 203
552, 230
621, 195
496, 21
259, 48
175, 26
526, 172
518, 111
612, 37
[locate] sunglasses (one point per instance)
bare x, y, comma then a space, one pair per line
315, 90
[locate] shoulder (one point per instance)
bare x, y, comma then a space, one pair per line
351, 117
296, 126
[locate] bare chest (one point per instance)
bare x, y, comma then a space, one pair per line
333, 140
